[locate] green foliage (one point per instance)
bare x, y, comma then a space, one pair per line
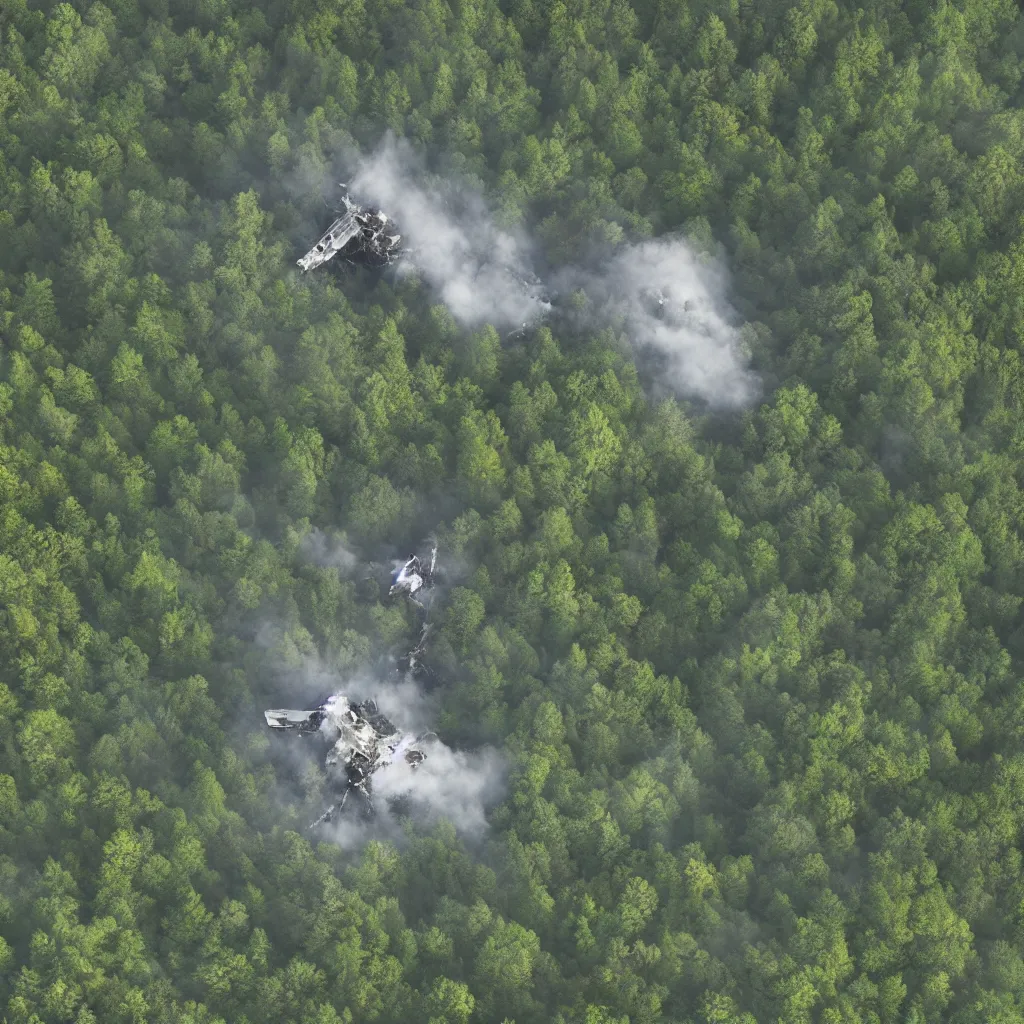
756, 676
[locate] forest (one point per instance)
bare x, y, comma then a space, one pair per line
754, 672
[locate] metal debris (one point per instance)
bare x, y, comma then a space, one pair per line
415, 577
414, 664
364, 741
360, 235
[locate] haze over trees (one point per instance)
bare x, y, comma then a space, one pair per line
759, 676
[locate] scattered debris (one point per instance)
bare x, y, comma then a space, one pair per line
666, 308
414, 663
364, 741
359, 235
416, 579
532, 287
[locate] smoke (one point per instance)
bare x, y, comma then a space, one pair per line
457, 786
480, 272
667, 299
454, 784
329, 551
406, 705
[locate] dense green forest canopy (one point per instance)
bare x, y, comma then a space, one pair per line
758, 676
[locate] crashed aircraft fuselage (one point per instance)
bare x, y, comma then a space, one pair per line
359, 235
414, 577
364, 741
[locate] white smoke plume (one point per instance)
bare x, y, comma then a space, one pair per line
454, 784
661, 292
667, 298
328, 550
479, 271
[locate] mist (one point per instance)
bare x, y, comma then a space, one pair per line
480, 272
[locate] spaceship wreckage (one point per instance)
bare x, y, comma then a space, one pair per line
359, 235
363, 740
